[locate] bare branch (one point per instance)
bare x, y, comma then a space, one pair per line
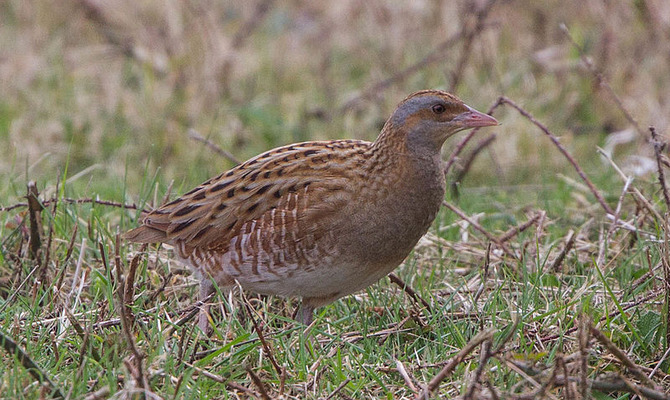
195, 135
562, 149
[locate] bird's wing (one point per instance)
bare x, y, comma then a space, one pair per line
311, 180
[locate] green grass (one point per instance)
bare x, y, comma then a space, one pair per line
86, 120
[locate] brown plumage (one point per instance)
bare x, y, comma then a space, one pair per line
317, 220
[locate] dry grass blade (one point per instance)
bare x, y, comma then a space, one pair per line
611, 315
220, 379
434, 383
127, 319
478, 227
81, 332
191, 312
17, 290
129, 285
400, 367
636, 192
615, 385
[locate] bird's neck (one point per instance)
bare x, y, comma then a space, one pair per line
410, 176
392, 155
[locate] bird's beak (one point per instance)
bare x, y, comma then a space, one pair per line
474, 119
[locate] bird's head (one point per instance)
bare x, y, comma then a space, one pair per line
427, 118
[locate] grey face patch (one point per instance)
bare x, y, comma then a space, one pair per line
413, 105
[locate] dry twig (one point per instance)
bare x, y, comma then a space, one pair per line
458, 178
559, 146
658, 150
195, 135
478, 227
77, 201
258, 382
457, 359
408, 289
469, 35
261, 337
510, 233
600, 78
38, 373
605, 341
34, 210
127, 319
569, 243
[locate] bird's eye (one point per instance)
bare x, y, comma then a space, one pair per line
439, 108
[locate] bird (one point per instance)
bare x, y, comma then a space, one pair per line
317, 220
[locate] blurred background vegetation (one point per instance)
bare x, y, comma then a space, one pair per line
107, 96
107, 91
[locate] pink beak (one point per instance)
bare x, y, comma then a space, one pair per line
474, 119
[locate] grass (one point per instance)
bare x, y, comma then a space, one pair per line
97, 104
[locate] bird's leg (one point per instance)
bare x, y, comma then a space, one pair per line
206, 289
305, 314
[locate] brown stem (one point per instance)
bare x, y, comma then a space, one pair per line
469, 161
127, 319
258, 382
195, 135
40, 375
434, 383
469, 36
34, 210
408, 289
562, 149
658, 150
601, 80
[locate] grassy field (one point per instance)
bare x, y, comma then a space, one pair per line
546, 274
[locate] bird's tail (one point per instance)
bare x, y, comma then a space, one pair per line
145, 234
